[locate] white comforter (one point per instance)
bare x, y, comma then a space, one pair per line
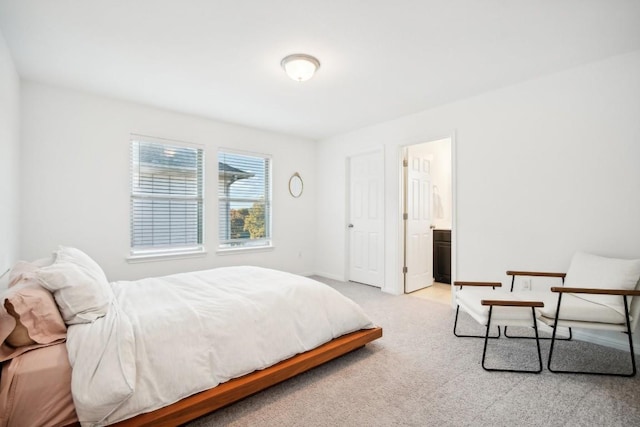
166, 338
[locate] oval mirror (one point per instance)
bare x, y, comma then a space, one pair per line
295, 185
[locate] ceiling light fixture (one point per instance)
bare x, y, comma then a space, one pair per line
300, 67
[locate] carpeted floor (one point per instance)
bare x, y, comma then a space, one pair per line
419, 374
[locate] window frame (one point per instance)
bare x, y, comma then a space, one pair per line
268, 245
158, 252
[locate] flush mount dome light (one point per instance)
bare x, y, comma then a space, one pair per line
300, 67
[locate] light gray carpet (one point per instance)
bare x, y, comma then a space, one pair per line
419, 374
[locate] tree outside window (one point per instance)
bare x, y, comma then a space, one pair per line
244, 200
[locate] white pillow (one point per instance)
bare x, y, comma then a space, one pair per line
79, 286
593, 271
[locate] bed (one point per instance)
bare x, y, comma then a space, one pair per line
163, 351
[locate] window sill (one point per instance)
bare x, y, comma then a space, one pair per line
233, 251
160, 256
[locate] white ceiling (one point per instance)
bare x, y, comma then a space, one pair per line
381, 59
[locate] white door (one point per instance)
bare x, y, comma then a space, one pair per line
366, 256
418, 236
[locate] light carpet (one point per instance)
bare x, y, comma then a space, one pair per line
419, 374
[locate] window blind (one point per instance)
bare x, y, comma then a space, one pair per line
244, 196
166, 197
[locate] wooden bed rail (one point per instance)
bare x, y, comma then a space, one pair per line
236, 389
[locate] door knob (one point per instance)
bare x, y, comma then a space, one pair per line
350, 225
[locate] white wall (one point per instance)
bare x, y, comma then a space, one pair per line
542, 169
9, 158
75, 181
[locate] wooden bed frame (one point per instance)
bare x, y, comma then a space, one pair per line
224, 394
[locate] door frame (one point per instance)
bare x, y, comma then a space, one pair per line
347, 217
454, 209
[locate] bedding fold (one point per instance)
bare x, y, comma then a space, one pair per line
102, 355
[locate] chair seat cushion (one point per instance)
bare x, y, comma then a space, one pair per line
573, 307
469, 299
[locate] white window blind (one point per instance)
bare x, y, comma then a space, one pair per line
244, 196
166, 197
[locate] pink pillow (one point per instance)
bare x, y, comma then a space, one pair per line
38, 313
20, 335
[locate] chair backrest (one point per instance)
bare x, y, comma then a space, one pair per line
594, 271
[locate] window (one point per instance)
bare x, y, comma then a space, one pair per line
166, 197
244, 200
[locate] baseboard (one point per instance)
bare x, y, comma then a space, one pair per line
618, 341
391, 291
615, 340
329, 276
306, 274
562, 332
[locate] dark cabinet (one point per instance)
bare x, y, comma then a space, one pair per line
442, 256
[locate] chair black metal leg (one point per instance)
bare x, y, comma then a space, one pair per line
542, 338
615, 374
633, 356
535, 329
455, 325
484, 352
486, 339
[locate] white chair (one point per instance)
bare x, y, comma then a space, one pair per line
489, 306
597, 293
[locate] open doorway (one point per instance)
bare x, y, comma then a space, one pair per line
427, 206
